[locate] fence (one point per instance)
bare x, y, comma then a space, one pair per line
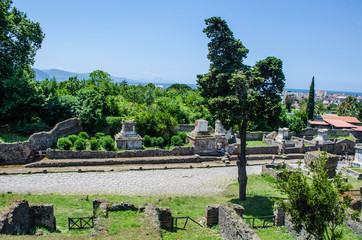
174, 222
268, 221
80, 223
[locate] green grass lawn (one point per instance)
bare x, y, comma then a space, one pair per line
255, 143
261, 196
342, 137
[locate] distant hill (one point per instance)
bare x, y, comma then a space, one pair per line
61, 75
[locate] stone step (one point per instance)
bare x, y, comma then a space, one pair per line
120, 161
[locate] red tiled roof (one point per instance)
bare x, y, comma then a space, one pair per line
342, 118
318, 123
358, 129
339, 123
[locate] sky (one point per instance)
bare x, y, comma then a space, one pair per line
163, 39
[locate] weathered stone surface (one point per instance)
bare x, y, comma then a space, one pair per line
165, 217
20, 217
232, 226
61, 154
124, 206
212, 215
44, 140
16, 220
279, 217
14, 153
331, 164
128, 138
43, 215
100, 207
151, 216
17, 153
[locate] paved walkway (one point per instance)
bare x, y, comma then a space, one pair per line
173, 182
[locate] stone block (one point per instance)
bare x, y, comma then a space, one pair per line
42, 215
212, 215
100, 207
165, 217
201, 125
310, 159
16, 220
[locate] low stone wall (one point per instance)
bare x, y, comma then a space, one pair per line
354, 174
186, 127
270, 169
101, 207
255, 136
22, 152
257, 150
232, 226
86, 154
20, 217
331, 164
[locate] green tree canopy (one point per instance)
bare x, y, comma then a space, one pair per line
310, 104
316, 205
20, 38
236, 93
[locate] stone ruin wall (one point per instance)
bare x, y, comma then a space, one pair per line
20, 217
22, 152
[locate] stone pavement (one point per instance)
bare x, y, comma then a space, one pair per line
168, 182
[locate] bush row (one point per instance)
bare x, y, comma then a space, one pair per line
83, 142
177, 140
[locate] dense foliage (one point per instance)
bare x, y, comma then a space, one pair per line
310, 104
315, 205
237, 94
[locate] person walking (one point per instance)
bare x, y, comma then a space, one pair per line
273, 159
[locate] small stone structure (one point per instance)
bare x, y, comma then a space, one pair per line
270, 169
322, 137
202, 141
20, 217
331, 164
232, 226
22, 152
358, 156
128, 138
162, 215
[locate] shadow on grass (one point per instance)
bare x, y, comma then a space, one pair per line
257, 206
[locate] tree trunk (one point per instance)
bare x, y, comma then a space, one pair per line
242, 177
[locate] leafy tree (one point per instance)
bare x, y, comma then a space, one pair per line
91, 107
320, 108
20, 38
350, 107
317, 205
236, 93
332, 107
176, 141
147, 141
289, 100
94, 143
179, 86
296, 124
310, 104
83, 135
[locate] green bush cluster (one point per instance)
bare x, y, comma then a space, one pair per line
177, 140
82, 141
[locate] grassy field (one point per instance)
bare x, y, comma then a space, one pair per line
255, 143
342, 137
261, 196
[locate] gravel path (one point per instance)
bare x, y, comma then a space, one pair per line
173, 182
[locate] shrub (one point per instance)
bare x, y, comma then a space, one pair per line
160, 142
153, 142
183, 136
64, 143
80, 144
108, 143
94, 143
176, 141
73, 138
83, 135
99, 135
147, 141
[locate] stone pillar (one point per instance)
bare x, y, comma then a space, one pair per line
212, 215
279, 217
165, 217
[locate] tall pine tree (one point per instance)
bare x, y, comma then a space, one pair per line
310, 105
